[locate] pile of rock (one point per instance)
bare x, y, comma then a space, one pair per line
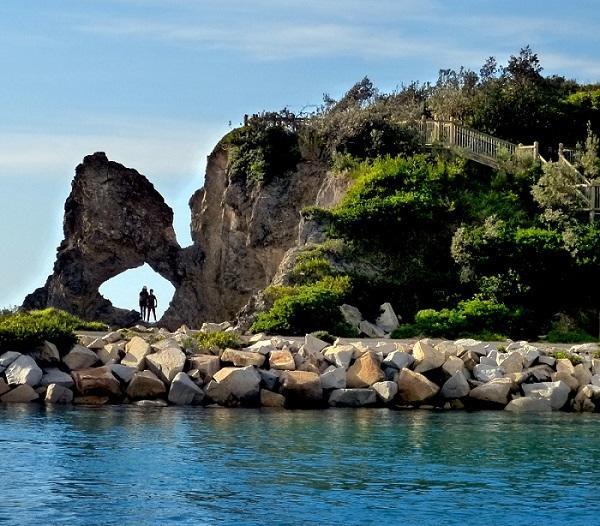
158, 368
384, 325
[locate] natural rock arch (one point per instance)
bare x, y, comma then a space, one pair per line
115, 220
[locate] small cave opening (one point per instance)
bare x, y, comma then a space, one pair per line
123, 290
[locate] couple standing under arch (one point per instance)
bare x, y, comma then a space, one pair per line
148, 304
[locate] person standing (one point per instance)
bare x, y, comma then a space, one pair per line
143, 302
152, 304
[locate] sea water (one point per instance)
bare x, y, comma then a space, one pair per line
132, 465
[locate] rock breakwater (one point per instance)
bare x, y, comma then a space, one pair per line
152, 367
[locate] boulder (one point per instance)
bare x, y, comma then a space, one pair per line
582, 374
166, 364
510, 362
456, 386
352, 397
426, 357
475, 346
339, 355
529, 353
541, 373
385, 348
486, 373
20, 394
386, 391
58, 394
123, 372
95, 344
48, 352
7, 358
595, 380
271, 399
145, 384
495, 392
414, 387
183, 390
564, 365
80, 357
136, 351
262, 347
281, 360
453, 365
371, 330
56, 376
333, 378
586, 398
398, 360
567, 378
211, 328
98, 380
449, 348
233, 386
207, 364
313, 344
352, 316
111, 352
470, 359
547, 360
301, 388
528, 405
557, 393
387, 320
364, 372
23, 370
242, 358
3, 386
270, 379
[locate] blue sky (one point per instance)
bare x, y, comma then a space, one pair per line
154, 84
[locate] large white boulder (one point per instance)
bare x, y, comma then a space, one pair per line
281, 360
80, 357
387, 320
58, 394
427, 357
352, 316
7, 358
495, 391
242, 358
557, 393
183, 390
23, 370
398, 360
453, 365
333, 378
456, 386
166, 364
136, 351
313, 344
122, 372
339, 355
56, 376
20, 394
370, 329
386, 391
207, 364
486, 373
528, 405
144, 385
233, 386
364, 372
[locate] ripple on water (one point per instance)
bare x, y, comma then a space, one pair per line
129, 465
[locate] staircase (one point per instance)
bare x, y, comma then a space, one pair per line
491, 151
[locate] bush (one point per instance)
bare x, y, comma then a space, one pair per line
219, 339
24, 331
307, 308
485, 319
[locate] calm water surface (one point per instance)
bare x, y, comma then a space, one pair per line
128, 465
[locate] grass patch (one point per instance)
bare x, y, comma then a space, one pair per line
575, 359
220, 340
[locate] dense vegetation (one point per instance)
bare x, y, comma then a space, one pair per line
456, 247
24, 331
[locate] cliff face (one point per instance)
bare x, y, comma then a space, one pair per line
115, 220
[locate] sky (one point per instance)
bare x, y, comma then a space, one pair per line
155, 84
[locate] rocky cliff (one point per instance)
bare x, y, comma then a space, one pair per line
115, 220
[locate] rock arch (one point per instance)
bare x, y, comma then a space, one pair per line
115, 220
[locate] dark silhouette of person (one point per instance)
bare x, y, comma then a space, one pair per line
143, 302
151, 305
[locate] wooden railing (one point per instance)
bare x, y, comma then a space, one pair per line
476, 145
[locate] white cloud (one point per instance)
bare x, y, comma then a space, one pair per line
159, 149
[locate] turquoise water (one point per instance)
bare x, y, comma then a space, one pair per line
127, 465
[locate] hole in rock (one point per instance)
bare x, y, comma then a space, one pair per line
123, 290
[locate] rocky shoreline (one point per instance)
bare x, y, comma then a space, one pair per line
152, 367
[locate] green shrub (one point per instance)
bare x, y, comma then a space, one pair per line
575, 359
476, 317
309, 270
219, 339
307, 308
574, 335
24, 331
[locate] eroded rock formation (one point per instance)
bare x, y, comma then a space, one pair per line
115, 220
